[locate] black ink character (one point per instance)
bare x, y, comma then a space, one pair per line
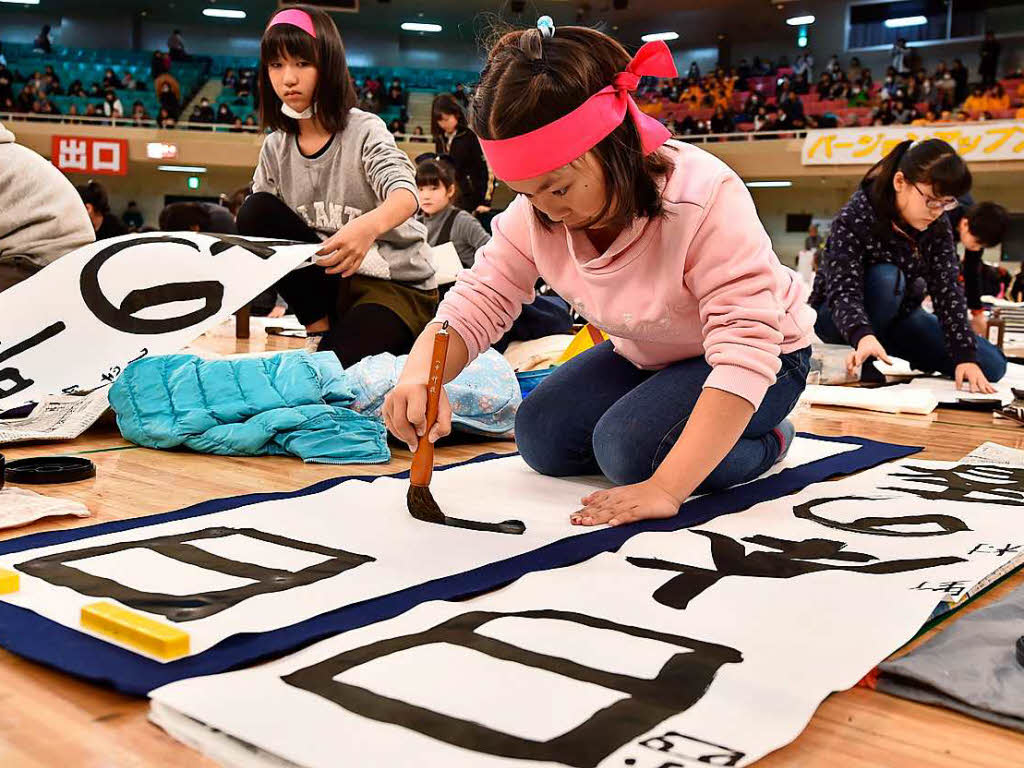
881, 526
681, 683
792, 558
18, 382
976, 483
56, 570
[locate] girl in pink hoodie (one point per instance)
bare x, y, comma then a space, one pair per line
653, 241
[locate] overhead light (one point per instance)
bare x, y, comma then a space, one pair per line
419, 26
768, 184
799, 21
906, 21
660, 36
223, 13
182, 168
21, 2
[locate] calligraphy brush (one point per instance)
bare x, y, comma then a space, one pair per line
419, 499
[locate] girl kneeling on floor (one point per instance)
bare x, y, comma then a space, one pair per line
332, 173
656, 242
891, 244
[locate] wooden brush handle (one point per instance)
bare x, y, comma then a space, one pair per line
423, 460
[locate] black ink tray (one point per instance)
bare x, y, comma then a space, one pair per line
48, 470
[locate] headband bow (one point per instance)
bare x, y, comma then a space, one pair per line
559, 143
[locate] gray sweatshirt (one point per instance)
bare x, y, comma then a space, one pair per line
468, 234
41, 215
352, 176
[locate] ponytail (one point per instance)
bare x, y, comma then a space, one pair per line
931, 162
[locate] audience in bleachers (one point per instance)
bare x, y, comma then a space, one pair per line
766, 97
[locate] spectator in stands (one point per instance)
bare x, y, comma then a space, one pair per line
997, 99
42, 42
176, 46
800, 66
159, 64
989, 59
857, 96
250, 122
43, 106
976, 103
960, 77
900, 57
197, 217
771, 121
225, 116
888, 245
93, 111
165, 119
369, 102
76, 89
95, 91
801, 85
396, 96
112, 106
460, 95
230, 80
792, 111
759, 68
945, 90
26, 98
97, 205
51, 81
73, 115
453, 138
856, 71
396, 127
903, 111
824, 87
236, 126
203, 112
833, 67
883, 114
41, 218
694, 71
927, 119
721, 121
110, 80
128, 81
1019, 114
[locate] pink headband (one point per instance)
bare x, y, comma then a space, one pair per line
296, 18
559, 143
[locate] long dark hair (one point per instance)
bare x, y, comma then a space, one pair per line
931, 162
335, 95
446, 104
530, 81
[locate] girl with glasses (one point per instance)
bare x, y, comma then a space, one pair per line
890, 245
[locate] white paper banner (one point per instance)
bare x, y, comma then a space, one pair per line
976, 142
710, 646
275, 563
78, 323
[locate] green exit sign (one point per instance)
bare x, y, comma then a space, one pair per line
193, 182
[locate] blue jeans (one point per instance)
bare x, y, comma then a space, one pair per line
917, 337
598, 413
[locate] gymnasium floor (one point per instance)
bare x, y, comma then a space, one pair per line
49, 719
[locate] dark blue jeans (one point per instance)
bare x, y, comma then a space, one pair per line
599, 413
917, 337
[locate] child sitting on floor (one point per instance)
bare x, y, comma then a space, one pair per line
445, 222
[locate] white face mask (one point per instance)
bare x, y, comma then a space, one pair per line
303, 115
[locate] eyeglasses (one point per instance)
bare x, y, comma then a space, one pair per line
945, 204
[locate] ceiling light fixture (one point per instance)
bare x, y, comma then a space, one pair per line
418, 26
650, 38
769, 184
799, 21
182, 168
906, 21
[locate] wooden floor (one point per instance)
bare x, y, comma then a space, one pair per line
49, 719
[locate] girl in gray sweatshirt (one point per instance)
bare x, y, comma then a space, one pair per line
332, 174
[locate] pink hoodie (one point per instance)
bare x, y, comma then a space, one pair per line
702, 279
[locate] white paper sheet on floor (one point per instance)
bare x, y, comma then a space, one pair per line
57, 417
709, 646
354, 518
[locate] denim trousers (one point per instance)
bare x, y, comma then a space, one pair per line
600, 414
